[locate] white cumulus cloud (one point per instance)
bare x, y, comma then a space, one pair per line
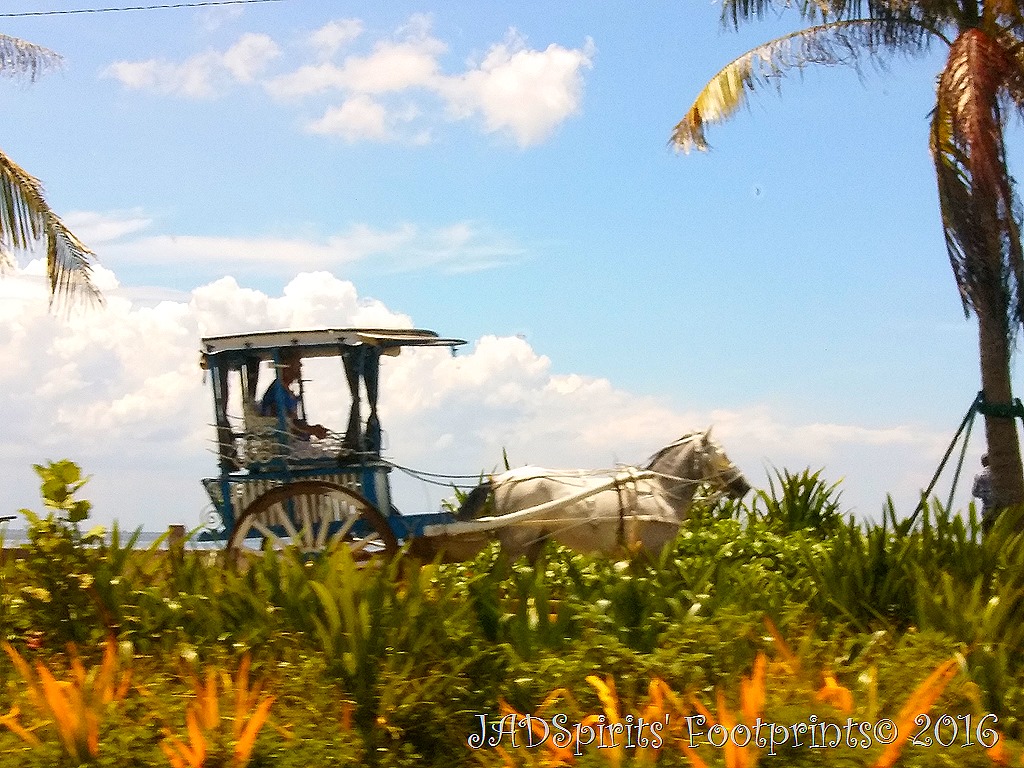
250, 56
335, 35
528, 93
390, 67
203, 76
392, 88
194, 78
357, 118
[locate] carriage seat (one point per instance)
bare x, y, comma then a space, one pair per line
263, 439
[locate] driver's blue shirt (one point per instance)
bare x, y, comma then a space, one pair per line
268, 405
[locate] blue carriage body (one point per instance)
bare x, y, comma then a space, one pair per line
263, 449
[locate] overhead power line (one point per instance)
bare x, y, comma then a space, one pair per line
136, 8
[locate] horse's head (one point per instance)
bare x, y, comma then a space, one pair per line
696, 457
719, 470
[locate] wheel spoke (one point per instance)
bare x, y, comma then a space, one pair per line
306, 532
285, 519
321, 532
350, 520
267, 533
302, 514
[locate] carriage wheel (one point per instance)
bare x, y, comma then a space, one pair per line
312, 515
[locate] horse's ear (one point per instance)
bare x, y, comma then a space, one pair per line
707, 435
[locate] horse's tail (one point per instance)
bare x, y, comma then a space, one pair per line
475, 502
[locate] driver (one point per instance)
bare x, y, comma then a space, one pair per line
280, 390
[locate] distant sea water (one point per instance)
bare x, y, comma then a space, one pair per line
17, 537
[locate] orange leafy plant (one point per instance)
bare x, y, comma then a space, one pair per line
611, 732
835, 694
752, 701
203, 719
662, 704
75, 706
10, 720
919, 702
553, 754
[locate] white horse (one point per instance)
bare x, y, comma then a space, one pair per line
601, 511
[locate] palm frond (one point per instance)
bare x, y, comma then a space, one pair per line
1005, 14
981, 213
68, 265
22, 206
26, 219
1013, 84
933, 14
841, 42
20, 57
734, 12
963, 237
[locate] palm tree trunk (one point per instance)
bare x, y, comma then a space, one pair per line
1000, 431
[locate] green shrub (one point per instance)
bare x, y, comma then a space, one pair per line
59, 597
798, 503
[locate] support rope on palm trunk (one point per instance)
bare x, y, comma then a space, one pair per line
980, 405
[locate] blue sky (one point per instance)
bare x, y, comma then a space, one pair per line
497, 170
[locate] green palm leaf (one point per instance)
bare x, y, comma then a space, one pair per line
20, 57
840, 42
25, 217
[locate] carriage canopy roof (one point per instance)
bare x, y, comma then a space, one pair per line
326, 342
360, 350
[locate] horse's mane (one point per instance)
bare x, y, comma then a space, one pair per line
671, 447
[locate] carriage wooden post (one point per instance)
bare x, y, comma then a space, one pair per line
277, 487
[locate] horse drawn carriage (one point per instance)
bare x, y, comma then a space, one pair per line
284, 481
